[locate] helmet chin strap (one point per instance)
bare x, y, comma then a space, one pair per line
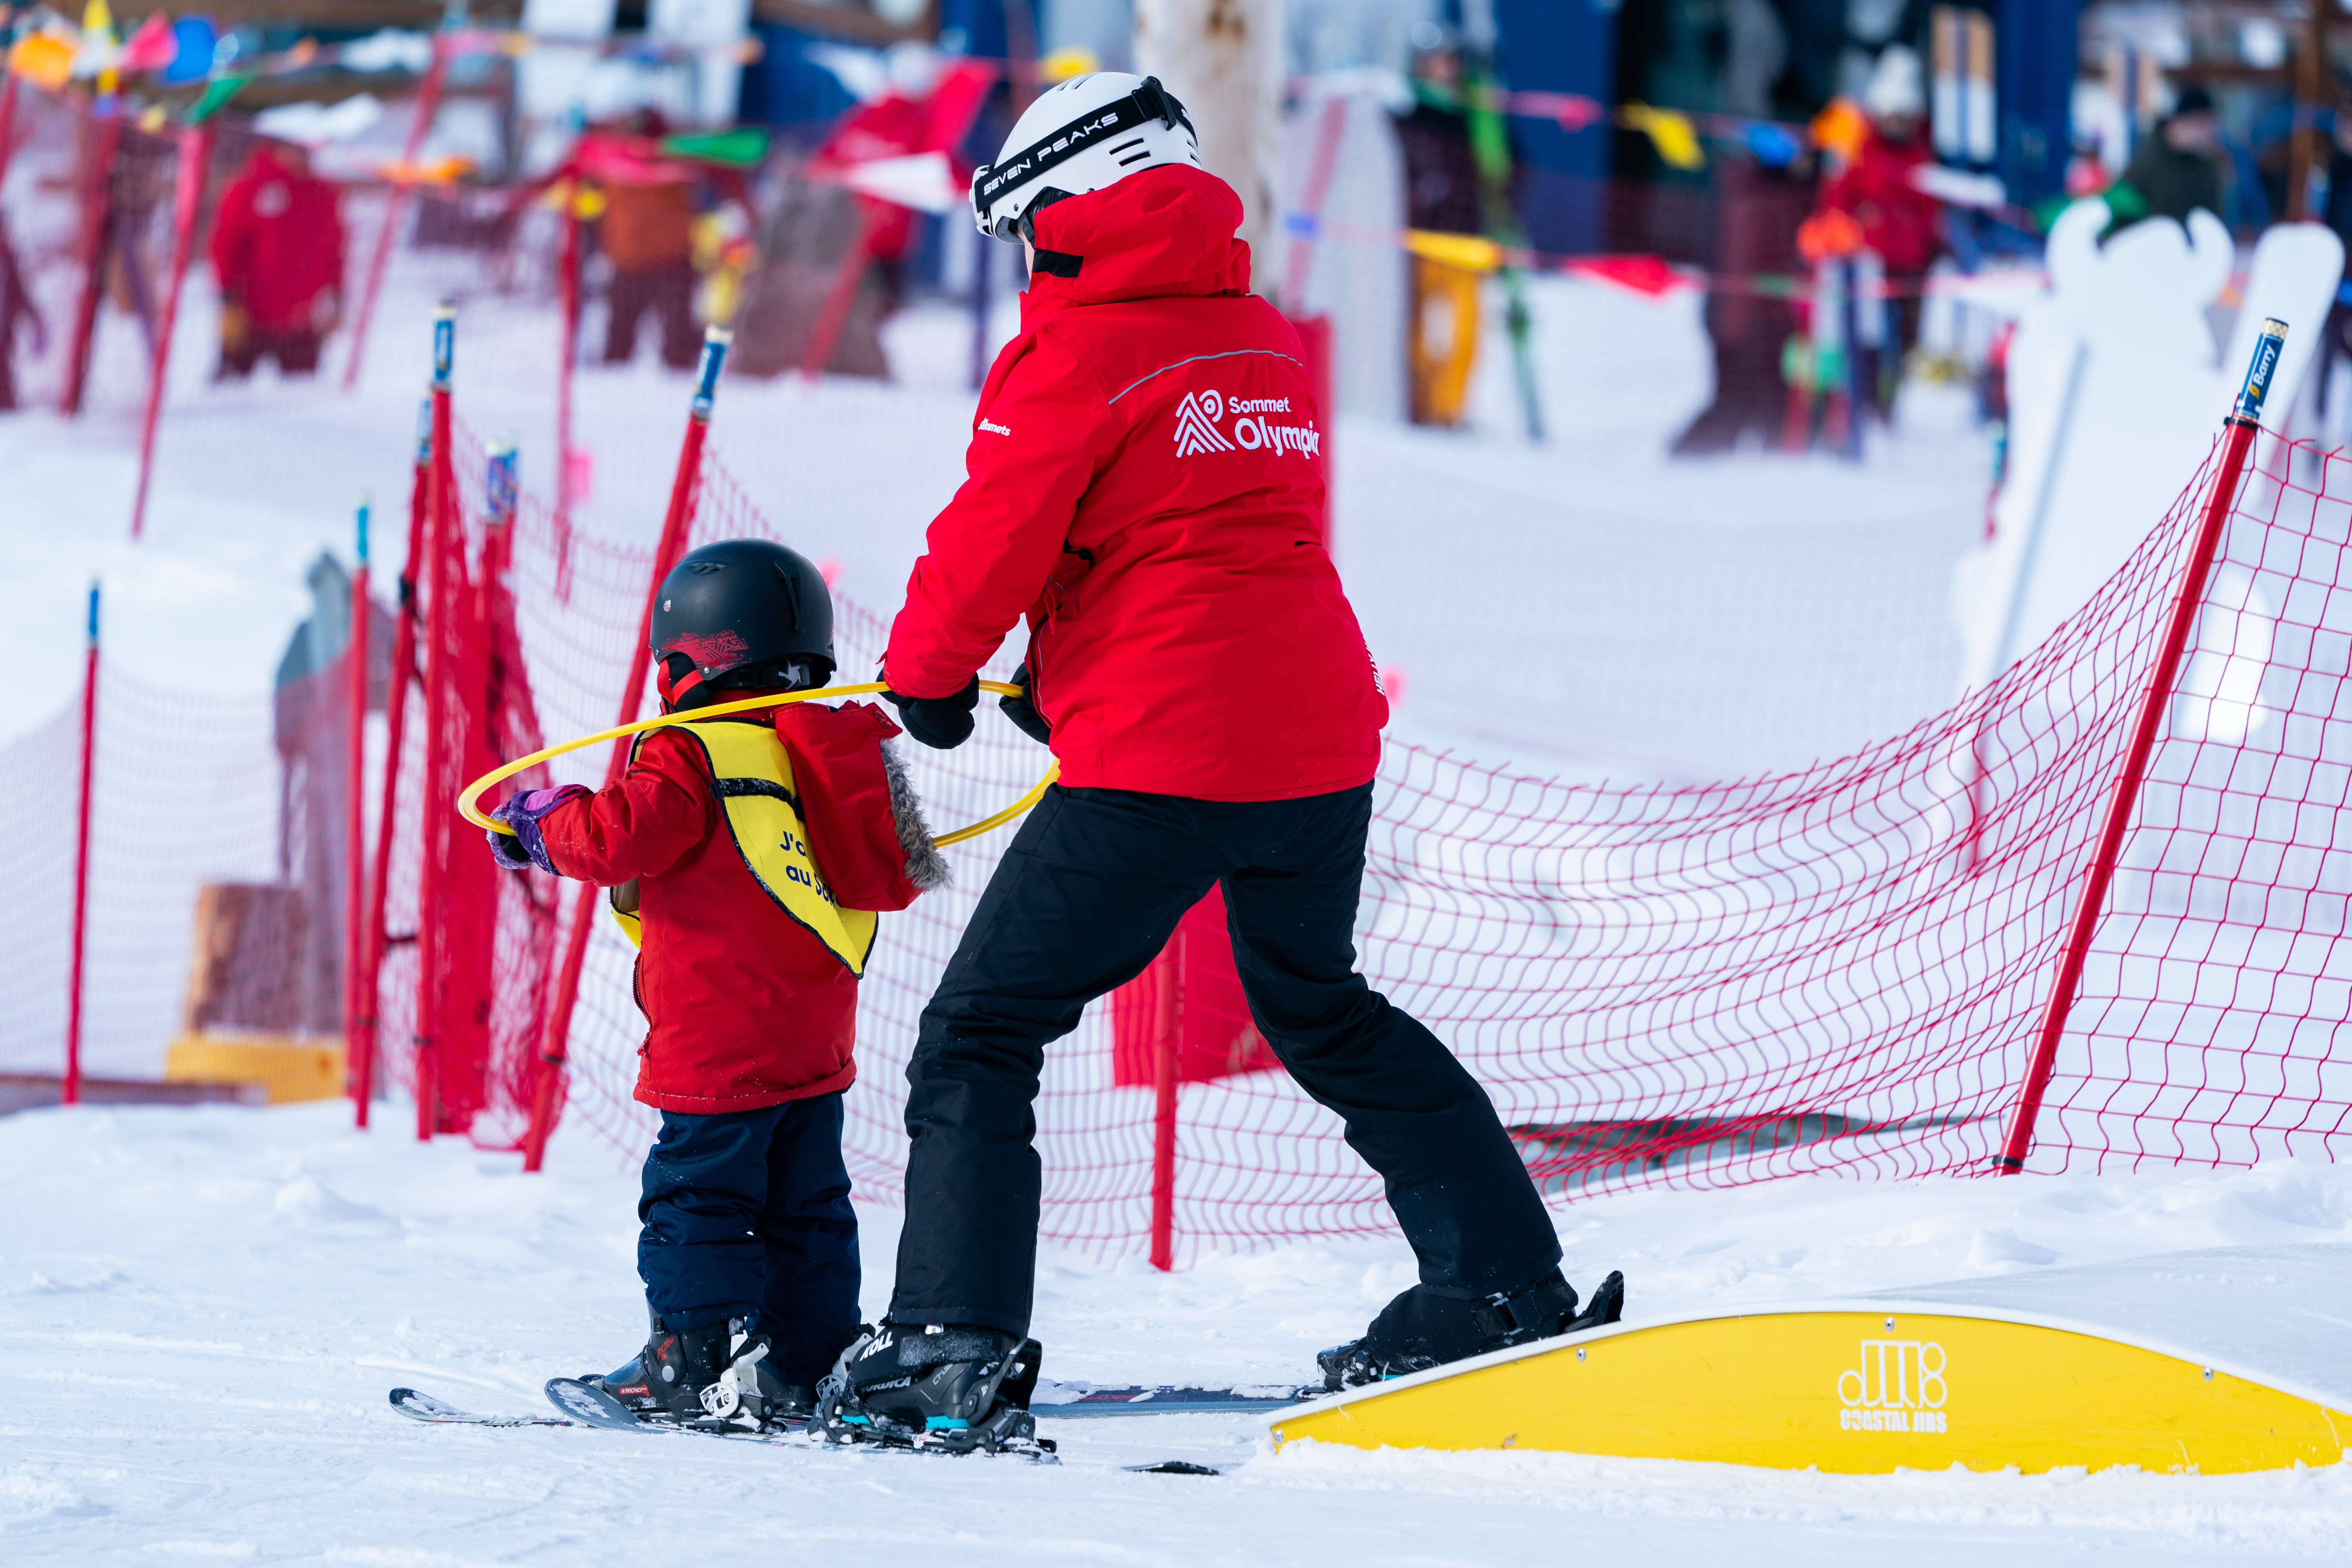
672, 693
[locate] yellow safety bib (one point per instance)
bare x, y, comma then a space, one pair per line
752, 778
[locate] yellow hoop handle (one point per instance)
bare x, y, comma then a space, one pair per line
473, 792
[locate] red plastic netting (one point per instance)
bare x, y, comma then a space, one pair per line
1836, 969
187, 793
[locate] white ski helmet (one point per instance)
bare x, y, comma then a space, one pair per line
1080, 135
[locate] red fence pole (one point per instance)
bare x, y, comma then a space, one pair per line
429, 103
9, 80
440, 519
395, 711
2244, 423
677, 523
187, 201
1165, 1035
355, 654
90, 249
69, 1092
568, 287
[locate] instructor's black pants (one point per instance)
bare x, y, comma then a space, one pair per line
1089, 892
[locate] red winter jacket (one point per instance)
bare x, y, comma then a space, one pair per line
1146, 482
1897, 218
746, 1009
278, 242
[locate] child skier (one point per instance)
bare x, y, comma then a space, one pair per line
747, 855
1147, 487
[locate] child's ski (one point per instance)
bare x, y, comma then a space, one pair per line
424, 1408
585, 1405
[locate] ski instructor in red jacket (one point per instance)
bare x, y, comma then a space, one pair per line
1147, 487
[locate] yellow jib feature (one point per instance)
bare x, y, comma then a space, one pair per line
1859, 1392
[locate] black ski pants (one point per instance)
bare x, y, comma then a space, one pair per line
1088, 893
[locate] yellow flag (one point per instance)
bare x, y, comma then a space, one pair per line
1467, 251
1671, 134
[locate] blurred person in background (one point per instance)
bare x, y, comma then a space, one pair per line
1762, 193
277, 252
2177, 169
1897, 220
647, 234
1440, 193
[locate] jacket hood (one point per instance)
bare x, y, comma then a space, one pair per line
1164, 231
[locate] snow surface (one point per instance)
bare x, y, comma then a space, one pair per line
205, 1307
203, 1310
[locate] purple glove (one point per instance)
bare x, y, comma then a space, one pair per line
524, 847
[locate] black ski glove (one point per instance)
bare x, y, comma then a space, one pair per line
942, 724
1024, 712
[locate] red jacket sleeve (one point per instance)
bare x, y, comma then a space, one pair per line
641, 825
1044, 429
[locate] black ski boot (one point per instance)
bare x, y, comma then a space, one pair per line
940, 1387
713, 1375
1419, 1329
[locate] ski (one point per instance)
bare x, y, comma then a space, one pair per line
586, 1406
1062, 1401
433, 1412
590, 1405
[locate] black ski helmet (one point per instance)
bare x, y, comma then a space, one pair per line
740, 613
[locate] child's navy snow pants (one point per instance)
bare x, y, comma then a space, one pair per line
747, 1214
1085, 899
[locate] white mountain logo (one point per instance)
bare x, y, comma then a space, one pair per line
1196, 425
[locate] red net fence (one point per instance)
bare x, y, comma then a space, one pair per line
187, 795
1837, 969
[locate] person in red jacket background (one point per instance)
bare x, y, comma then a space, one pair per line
278, 252
1147, 489
749, 853
1872, 183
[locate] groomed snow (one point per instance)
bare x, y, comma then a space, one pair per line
204, 1308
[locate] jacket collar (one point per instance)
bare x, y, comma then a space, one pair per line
1165, 232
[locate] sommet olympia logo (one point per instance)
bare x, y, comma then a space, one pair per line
1197, 419
1898, 1387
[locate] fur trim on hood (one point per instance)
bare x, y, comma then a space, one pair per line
926, 866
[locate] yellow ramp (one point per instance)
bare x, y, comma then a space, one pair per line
1863, 1391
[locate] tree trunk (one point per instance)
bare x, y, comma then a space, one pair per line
1223, 60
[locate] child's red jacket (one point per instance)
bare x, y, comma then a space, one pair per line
745, 1007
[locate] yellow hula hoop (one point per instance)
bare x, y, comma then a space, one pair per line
472, 793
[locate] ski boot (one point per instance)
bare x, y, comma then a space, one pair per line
715, 1375
934, 1386
1419, 1329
